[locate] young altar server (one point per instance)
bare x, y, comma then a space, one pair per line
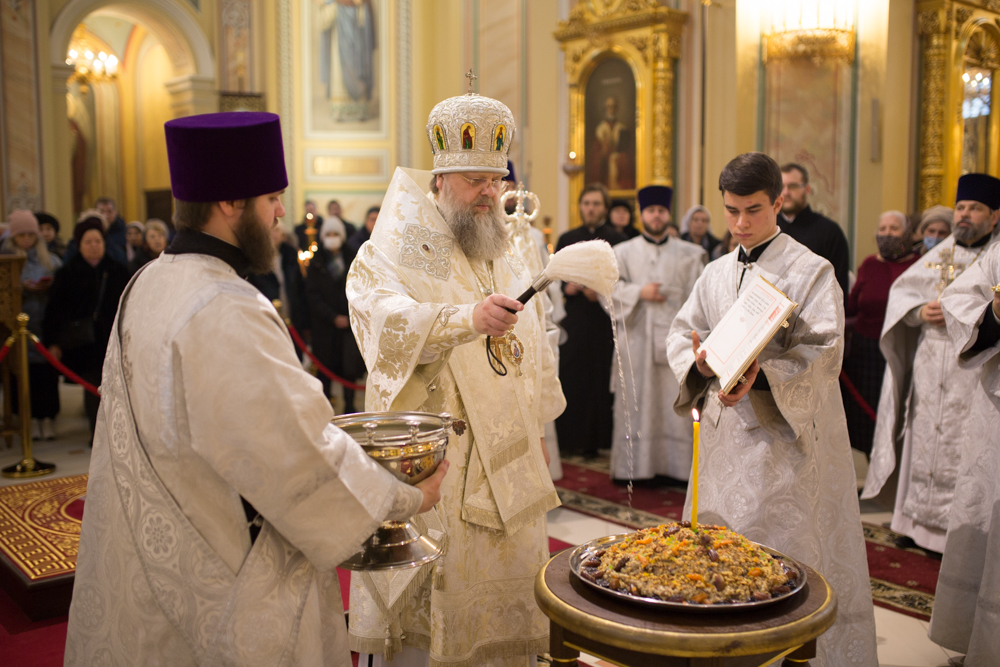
207, 418
657, 275
775, 458
925, 396
967, 600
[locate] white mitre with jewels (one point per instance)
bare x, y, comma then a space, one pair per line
470, 133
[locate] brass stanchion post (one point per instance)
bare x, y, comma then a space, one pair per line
28, 467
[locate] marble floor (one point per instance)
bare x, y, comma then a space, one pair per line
902, 640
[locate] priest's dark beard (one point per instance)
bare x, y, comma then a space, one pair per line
254, 238
482, 236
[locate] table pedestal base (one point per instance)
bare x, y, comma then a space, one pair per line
565, 648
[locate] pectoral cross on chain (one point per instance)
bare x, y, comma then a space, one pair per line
947, 267
471, 77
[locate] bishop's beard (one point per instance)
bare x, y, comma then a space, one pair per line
254, 238
481, 236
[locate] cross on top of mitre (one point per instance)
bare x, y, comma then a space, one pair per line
947, 266
471, 77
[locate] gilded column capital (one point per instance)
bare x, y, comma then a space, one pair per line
935, 17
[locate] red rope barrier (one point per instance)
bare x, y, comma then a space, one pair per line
856, 395
65, 371
320, 367
3, 351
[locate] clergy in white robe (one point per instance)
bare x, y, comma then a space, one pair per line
775, 460
425, 292
207, 421
657, 273
925, 396
966, 615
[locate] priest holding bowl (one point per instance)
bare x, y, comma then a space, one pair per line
775, 460
220, 497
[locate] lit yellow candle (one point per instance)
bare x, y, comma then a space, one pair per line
694, 471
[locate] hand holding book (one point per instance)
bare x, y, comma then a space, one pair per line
743, 386
731, 350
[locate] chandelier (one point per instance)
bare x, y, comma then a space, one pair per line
90, 65
814, 29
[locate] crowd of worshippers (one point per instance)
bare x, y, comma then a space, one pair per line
71, 292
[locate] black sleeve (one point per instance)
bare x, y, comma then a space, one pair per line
320, 309
55, 309
989, 331
840, 258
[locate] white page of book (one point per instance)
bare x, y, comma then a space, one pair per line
750, 323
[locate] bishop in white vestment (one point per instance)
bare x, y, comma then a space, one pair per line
925, 397
657, 273
208, 422
437, 264
966, 615
775, 458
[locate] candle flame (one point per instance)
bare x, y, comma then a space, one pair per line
694, 414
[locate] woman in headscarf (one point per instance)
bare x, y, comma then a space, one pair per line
695, 228
326, 292
154, 241
134, 233
25, 239
82, 305
934, 227
864, 364
621, 218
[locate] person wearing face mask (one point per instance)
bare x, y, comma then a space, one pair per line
926, 403
863, 362
934, 227
326, 283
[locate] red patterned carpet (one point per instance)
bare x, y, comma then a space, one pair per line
902, 579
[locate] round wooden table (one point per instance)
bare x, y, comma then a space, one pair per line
583, 619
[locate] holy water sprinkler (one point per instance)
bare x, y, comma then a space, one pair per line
590, 263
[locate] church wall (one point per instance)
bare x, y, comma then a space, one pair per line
899, 113
438, 65
688, 185
21, 164
731, 63
153, 106
873, 25
809, 121
543, 156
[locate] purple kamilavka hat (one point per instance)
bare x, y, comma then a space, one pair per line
225, 156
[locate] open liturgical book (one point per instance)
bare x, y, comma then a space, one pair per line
745, 330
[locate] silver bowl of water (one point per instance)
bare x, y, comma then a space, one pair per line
410, 445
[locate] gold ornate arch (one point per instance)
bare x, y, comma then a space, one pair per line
954, 35
646, 35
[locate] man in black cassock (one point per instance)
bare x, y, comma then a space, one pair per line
813, 230
585, 359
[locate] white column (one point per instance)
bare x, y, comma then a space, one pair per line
192, 94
